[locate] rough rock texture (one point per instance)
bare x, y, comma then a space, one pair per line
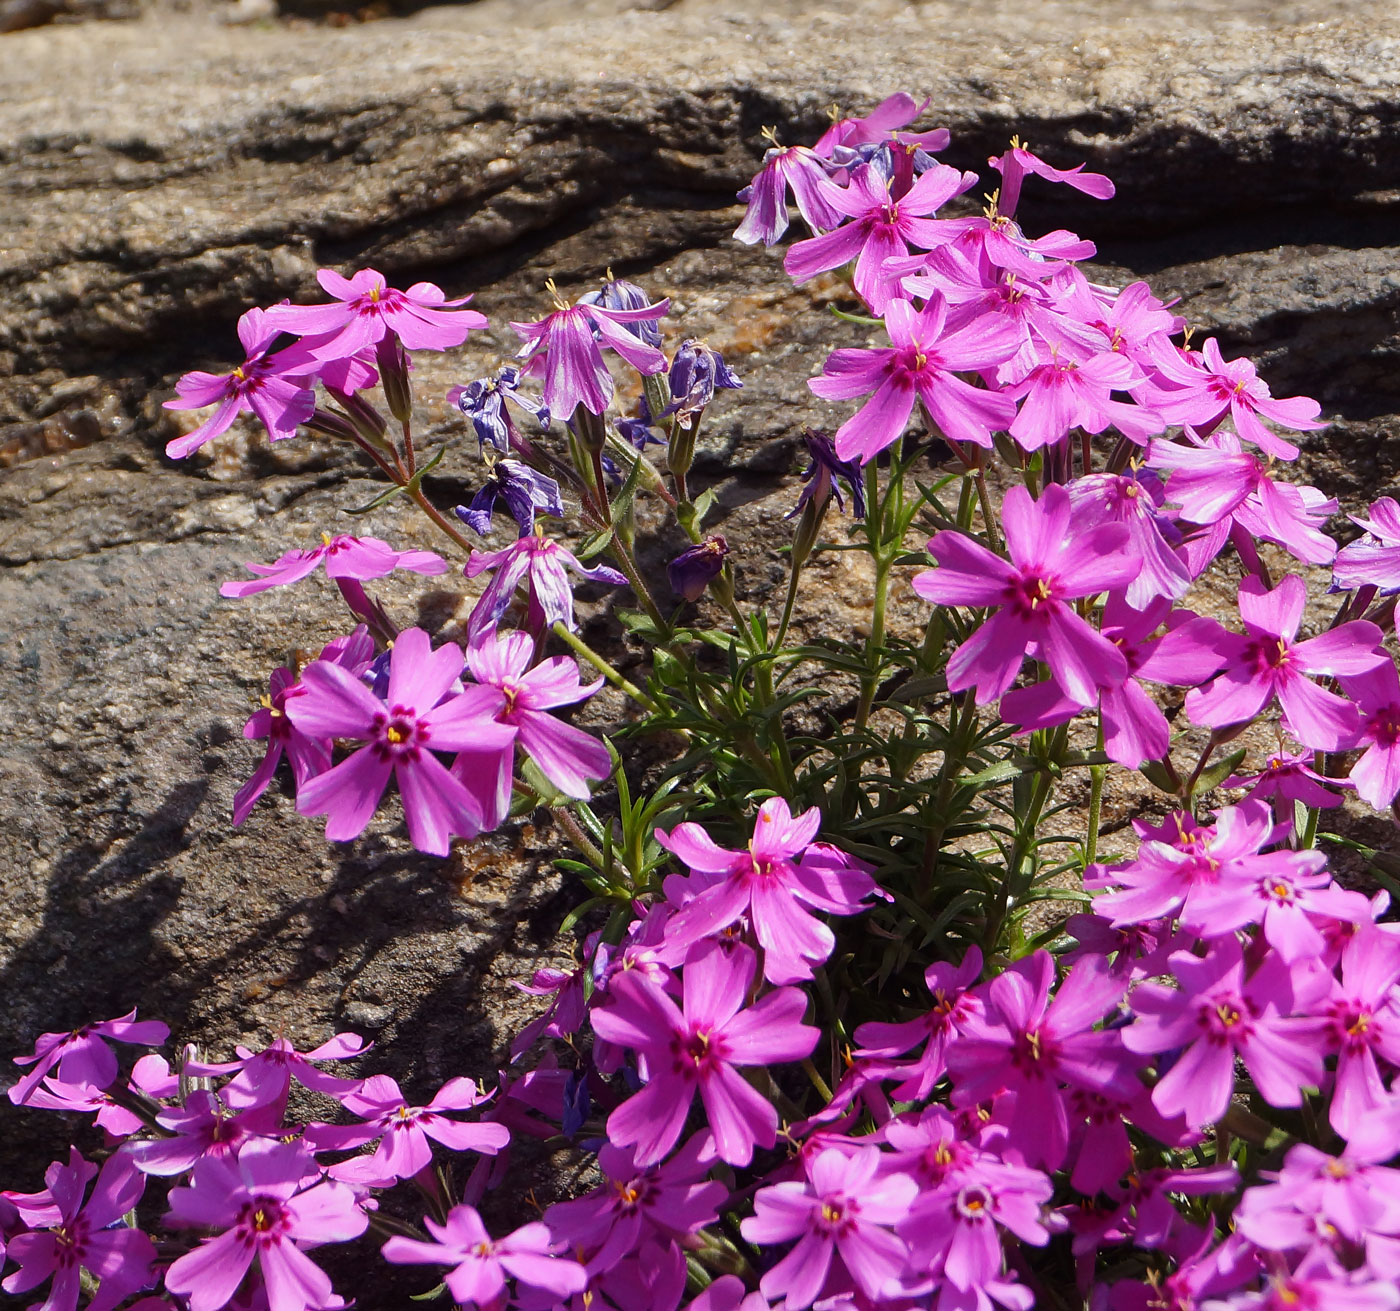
158, 177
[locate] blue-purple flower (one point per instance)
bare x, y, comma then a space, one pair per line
695, 568
524, 491
696, 371
541, 564
483, 402
821, 478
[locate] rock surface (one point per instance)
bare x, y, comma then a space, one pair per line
158, 177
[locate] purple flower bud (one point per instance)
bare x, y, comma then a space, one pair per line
619, 294
640, 431
820, 477
695, 568
483, 402
695, 373
524, 491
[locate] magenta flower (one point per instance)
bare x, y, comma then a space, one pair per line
1135, 498
567, 756
400, 734
1363, 1023
269, 1201
700, 1048
1216, 1016
71, 1236
921, 364
1376, 775
203, 1126
1373, 559
882, 228
1061, 394
81, 1057
1050, 565
1205, 388
893, 112
264, 1078
845, 1210
403, 1130
541, 565
769, 884
277, 388
1018, 162
308, 756
1269, 662
344, 557
565, 350
1289, 777
1129, 320
483, 1265
800, 169
367, 309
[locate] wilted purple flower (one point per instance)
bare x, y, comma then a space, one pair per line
700, 1049
400, 734
619, 294
81, 1057
525, 492
1018, 162
640, 431
70, 1236
484, 403
695, 568
696, 371
277, 388
482, 1264
821, 480
344, 557
269, 1200
539, 563
367, 309
847, 1209
800, 168
564, 348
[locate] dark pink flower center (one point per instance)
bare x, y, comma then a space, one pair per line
263, 1221
400, 734
1226, 1019
836, 1215
1032, 596
696, 1054
1384, 726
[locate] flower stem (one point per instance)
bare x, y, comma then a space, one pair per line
603, 667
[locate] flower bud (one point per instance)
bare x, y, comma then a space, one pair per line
695, 568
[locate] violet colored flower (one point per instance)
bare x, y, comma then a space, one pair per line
524, 491
1218, 1015
69, 1236
202, 1126
1050, 565
822, 478
269, 1201
700, 1047
367, 309
1269, 662
770, 884
564, 348
1290, 777
1135, 498
1061, 394
1362, 1023
484, 403
482, 1265
403, 1130
893, 112
344, 557
696, 372
539, 563
881, 228
81, 1057
640, 431
1373, 559
619, 294
277, 388
309, 756
417, 718
1376, 775
567, 756
846, 1209
806, 173
264, 1078
1018, 162
695, 568
1204, 389
922, 363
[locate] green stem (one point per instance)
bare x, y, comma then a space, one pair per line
870, 681
603, 667
439, 518
1096, 777
787, 608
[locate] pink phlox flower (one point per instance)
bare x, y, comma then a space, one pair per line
1363, 1024
270, 1200
672, 1199
1135, 498
1233, 495
700, 1047
845, 1211
308, 756
891, 114
81, 1057
921, 364
344, 557
987, 243
770, 885
1218, 1015
1032, 1045
1318, 1281
955, 1012
652, 1278
1051, 564
264, 1078
1018, 162
1064, 393
1204, 389
1145, 1199
366, 309
881, 227
567, 1011
482, 1266
567, 756
1374, 558
401, 733
806, 173
1138, 951
203, 1126
728, 1293
403, 1131
541, 565
564, 349
1128, 320
1100, 1151
1289, 777
1269, 661
277, 388
109, 1115
70, 1235
1376, 775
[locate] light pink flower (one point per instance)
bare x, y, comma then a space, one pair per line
344, 557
